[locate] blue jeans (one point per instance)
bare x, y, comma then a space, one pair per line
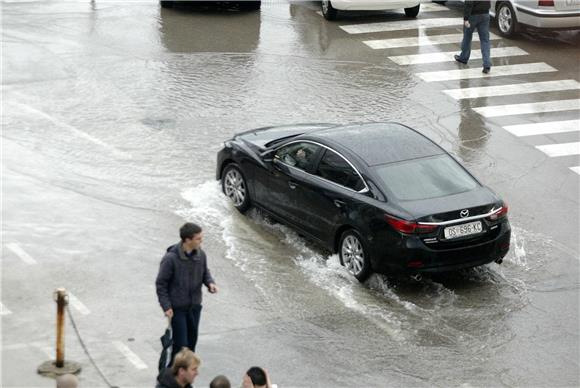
185, 324
481, 23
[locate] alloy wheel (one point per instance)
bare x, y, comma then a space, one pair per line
353, 254
235, 187
505, 19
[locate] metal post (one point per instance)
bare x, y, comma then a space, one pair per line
59, 367
61, 301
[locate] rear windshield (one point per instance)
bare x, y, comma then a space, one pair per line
425, 178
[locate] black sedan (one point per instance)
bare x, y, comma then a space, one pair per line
382, 195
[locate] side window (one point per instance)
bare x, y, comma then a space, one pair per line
297, 155
334, 168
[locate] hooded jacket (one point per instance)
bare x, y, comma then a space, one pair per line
180, 278
166, 379
476, 7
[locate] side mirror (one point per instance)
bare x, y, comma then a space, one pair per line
267, 156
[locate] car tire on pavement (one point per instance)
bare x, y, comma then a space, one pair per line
413, 11
328, 11
235, 187
354, 255
250, 5
506, 19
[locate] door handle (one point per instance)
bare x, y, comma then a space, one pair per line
292, 185
339, 203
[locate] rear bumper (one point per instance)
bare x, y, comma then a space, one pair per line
372, 5
549, 19
413, 250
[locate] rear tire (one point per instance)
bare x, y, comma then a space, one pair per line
506, 20
413, 11
354, 255
250, 5
328, 11
235, 187
166, 4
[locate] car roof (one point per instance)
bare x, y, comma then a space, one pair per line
380, 143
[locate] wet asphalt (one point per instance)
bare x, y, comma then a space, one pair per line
112, 114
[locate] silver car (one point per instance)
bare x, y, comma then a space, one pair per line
542, 14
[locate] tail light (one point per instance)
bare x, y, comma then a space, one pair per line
546, 3
499, 213
408, 227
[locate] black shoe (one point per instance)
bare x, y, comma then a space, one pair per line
485, 70
459, 60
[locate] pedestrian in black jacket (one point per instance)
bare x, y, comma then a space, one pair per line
182, 373
182, 272
476, 16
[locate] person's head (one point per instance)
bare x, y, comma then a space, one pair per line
67, 381
185, 366
258, 376
220, 381
191, 236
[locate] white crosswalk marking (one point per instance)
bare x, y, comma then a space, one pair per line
564, 149
128, 353
77, 304
448, 56
576, 169
401, 25
21, 253
506, 90
497, 71
534, 107
426, 40
4, 310
546, 128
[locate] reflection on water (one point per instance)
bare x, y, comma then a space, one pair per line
472, 131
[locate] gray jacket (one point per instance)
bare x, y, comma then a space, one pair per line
180, 278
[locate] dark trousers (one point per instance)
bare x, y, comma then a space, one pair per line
185, 324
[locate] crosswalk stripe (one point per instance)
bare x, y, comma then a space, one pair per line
400, 25
128, 353
21, 253
564, 149
425, 40
545, 128
576, 169
534, 107
448, 56
497, 71
506, 90
77, 304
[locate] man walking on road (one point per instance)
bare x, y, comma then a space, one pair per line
476, 16
182, 272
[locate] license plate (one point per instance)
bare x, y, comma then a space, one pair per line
463, 230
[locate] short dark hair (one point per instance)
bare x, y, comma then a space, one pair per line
257, 375
220, 381
188, 230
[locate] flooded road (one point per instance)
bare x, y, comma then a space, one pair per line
112, 114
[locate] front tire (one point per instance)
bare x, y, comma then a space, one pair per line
506, 20
328, 11
354, 255
413, 11
235, 187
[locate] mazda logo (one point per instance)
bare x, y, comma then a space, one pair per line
464, 213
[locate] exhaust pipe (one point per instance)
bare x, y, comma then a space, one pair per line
418, 277
499, 261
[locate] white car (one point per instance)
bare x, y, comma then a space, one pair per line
330, 8
546, 14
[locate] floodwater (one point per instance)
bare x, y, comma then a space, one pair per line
112, 114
